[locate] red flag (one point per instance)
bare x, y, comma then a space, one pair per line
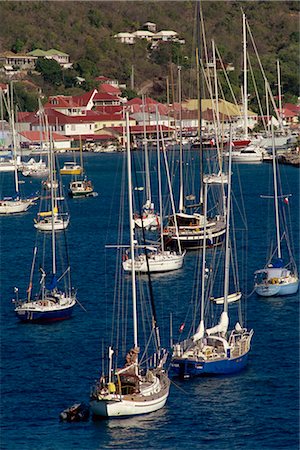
286, 200
181, 327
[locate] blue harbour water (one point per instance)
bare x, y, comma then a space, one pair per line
46, 368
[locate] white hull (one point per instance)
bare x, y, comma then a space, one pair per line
14, 206
116, 405
46, 225
158, 262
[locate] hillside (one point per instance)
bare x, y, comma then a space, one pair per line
85, 31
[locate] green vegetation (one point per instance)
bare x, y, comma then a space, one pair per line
85, 30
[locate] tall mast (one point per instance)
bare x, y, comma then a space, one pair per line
131, 230
159, 181
216, 89
52, 168
279, 94
203, 261
12, 118
148, 186
245, 78
199, 88
276, 197
181, 189
227, 240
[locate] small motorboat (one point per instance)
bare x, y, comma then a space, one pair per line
71, 168
76, 413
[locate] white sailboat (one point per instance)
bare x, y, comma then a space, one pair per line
278, 278
51, 215
15, 204
191, 225
214, 350
55, 298
132, 389
157, 258
81, 187
148, 219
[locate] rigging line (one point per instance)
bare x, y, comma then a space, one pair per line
256, 92
180, 388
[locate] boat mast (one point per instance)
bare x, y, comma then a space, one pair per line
181, 191
52, 200
12, 118
227, 239
245, 78
131, 230
199, 91
147, 170
201, 326
279, 94
159, 181
276, 196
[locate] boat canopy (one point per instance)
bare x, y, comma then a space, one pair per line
52, 284
277, 263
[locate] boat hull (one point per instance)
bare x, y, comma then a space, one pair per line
59, 225
194, 240
124, 408
188, 368
157, 264
14, 206
43, 316
273, 290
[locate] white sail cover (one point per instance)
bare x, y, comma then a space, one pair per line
199, 332
222, 325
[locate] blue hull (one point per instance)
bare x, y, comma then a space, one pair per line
272, 290
186, 368
44, 316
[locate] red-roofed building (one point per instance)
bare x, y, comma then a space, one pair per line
106, 88
136, 105
4, 87
33, 138
72, 105
290, 113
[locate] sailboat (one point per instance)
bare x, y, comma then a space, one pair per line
157, 258
50, 214
81, 187
191, 226
148, 219
140, 385
278, 278
55, 298
214, 350
15, 204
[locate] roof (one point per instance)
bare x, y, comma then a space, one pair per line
166, 33
124, 35
37, 136
64, 101
230, 109
109, 88
101, 96
143, 33
52, 52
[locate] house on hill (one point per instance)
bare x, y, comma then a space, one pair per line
62, 58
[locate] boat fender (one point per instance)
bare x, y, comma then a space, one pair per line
111, 388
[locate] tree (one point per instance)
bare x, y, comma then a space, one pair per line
50, 70
18, 46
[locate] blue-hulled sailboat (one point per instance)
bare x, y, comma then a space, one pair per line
215, 350
55, 298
